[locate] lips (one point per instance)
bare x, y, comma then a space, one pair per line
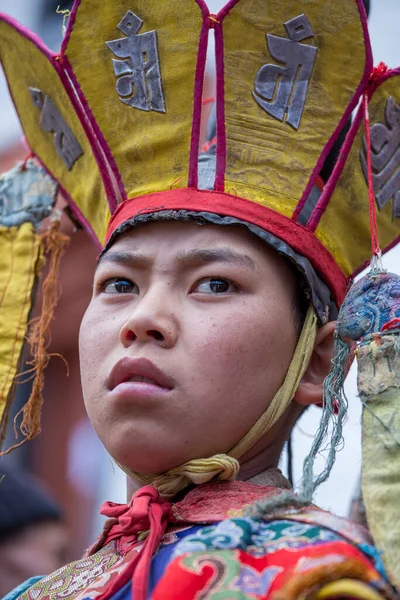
139, 370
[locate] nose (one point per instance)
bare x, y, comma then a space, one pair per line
152, 319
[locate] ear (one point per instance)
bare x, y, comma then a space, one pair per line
310, 388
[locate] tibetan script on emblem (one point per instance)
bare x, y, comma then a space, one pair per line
66, 144
282, 90
139, 77
385, 158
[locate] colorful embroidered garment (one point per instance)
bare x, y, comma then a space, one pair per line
243, 557
115, 118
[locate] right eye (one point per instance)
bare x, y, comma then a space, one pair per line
119, 285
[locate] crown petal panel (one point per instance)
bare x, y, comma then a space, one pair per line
344, 227
52, 128
134, 63
294, 70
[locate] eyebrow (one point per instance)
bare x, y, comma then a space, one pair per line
196, 256
227, 255
124, 258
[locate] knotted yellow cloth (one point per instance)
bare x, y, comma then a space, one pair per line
226, 466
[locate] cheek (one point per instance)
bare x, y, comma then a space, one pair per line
96, 335
243, 351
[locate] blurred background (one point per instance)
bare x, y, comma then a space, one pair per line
68, 456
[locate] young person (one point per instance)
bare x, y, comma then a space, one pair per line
210, 326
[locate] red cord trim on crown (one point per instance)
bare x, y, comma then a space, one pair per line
330, 186
78, 101
226, 9
106, 152
346, 115
219, 183
51, 56
373, 221
377, 77
298, 237
377, 72
198, 95
217, 22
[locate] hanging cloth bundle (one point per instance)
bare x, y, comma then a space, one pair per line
27, 196
369, 324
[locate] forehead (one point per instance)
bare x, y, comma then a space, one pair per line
174, 237
183, 244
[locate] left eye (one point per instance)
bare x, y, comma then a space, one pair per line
214, 285
119, 286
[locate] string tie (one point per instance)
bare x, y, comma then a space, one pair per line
375, 246
147, 512
377, 72
214, 21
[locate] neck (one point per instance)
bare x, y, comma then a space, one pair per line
270, 477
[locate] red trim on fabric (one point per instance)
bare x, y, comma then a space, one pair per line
373, 218
76, 211
30, 35
226, 9
90, 134
78, 214
57, 67
198, 95
387, 75
89, 115
363, 85
298, 237
70, 26
219, 183
367, 40
108, 156
330, 186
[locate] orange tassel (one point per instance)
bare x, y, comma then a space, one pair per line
53, 243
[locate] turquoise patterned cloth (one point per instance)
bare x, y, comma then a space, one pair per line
16, 592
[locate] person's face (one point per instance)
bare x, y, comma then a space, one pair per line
187, 338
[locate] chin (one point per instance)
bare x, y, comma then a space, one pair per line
148, 461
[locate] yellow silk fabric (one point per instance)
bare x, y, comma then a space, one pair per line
151, 149
20, 260
344, 228
226, 466
83, 182
268, 160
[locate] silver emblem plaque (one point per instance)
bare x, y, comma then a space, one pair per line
281, 90
385, 158
51, 120
139, 78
